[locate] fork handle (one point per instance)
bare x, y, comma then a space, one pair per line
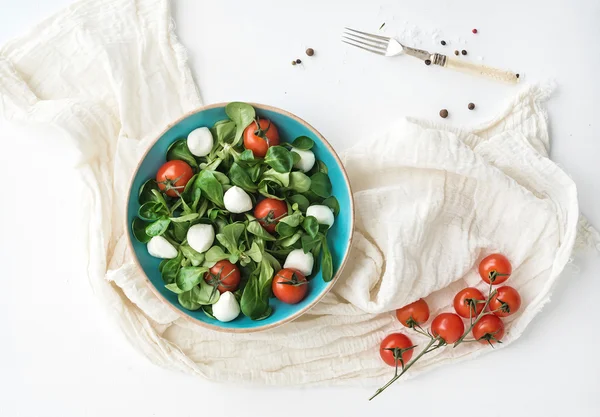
478, 69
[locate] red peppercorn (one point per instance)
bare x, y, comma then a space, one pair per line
474, 31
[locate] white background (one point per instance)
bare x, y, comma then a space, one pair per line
60, 356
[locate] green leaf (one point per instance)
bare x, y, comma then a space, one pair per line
333, 204
158, 227
247, 159
280, 159
311, 225
157, 195
303, 142
190, 276
284, 230
256, 229
293, 220
230, 236
180, 230
205, 294
145, 194
242, 114
138, 227
174, 288
255, 253
208, 311
300, 200
267, 257
321, 167
191, 254
290, 240
211, 187
310, 244
186, 301
222, 178
320, 185
241, 178
185, 218
171, 268
179, 150
281, 178
224, 132
296, 157
255, 299
161, 265
326, 262
254, 172
214, 255
299, 182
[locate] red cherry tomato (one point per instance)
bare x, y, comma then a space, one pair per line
224, 275
290, 286
489, 329
413, 313
260, 140
269, 211
173, 176
464, 302
495, 268
398, 341
449, 326
507, 301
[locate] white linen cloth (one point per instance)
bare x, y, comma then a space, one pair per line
431, 202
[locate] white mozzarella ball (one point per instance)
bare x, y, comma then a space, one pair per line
300, 261
323, 214
201, 237
200, 141
237, 200
307, 160
226, 308
159, 247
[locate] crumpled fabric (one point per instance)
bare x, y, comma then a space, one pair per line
431, 201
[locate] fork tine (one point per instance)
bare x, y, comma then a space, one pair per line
373, 42
371, 46
385, 38
362, 47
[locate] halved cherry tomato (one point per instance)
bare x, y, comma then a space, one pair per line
390, 349
173, 176
489, 329
289, 286
448, 326
495, 268
269, 211
413, 313
506, 301
224, 275
465, 302
259, 140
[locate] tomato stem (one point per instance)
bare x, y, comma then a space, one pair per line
479, 316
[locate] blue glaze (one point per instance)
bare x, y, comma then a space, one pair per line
338, 237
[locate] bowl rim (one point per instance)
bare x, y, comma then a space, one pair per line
297, 314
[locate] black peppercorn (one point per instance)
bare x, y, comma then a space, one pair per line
427, 62
517, 75
298, 61
464, 52
443, 113
293, 62
456, 52
310, 52
443, 42
471, 106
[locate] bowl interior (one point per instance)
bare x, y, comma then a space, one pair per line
338, 238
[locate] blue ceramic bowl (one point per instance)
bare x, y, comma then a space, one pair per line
339, 236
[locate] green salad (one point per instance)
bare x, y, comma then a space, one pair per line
238, 217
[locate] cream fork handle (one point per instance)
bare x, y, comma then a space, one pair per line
483, 70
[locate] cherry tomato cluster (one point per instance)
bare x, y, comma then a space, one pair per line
484, 315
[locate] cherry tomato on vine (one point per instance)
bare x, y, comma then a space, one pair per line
413, 313
507, 301
448, 326
495, 268
173, 176
289, 286
269, 211
224, 275
260, 139
395, 341
465, 302
489, 329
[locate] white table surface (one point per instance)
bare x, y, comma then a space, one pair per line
60, 356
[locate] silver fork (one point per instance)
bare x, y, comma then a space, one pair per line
383, 45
